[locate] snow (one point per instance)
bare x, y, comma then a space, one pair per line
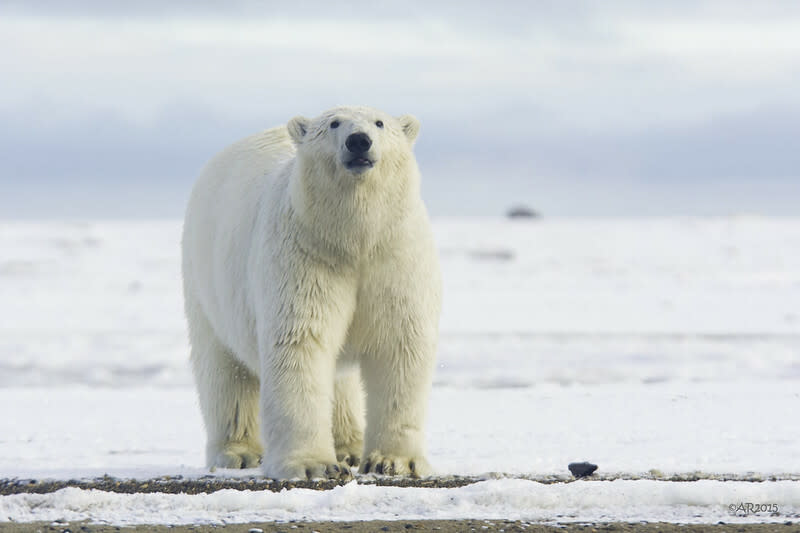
519, 499
669, 344
140, 432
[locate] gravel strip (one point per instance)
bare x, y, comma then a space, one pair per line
209, 484
442, 526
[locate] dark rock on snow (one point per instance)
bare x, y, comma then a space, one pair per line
582, 469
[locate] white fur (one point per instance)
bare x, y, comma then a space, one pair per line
297, 274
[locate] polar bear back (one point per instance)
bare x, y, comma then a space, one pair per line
222, 210
238, 172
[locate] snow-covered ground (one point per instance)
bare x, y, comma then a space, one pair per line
669, 344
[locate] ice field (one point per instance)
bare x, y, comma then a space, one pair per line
638, 344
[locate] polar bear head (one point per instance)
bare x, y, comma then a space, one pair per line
354, 141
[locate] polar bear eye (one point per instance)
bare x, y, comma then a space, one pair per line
335, 124
379, 123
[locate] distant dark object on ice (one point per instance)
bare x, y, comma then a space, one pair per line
522, 211
582, 469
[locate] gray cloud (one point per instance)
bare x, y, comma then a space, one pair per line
93, 160
563, 98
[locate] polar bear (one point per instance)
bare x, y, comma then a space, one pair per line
311, 278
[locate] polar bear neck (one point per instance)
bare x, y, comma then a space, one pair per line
351, 217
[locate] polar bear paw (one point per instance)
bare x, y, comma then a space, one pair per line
350, 454
315, 470
393, 465
237, 455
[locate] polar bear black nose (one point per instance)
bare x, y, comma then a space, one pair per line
358, 143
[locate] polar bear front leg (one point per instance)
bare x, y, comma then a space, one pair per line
297, 395
398, 383
304, 328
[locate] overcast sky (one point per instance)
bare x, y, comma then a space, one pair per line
110, 109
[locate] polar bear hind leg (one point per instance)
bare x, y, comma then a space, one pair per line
348, 417
228, 394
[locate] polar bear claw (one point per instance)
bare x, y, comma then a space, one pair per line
389, 465
232, 457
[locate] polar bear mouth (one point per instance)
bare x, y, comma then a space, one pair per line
359, 164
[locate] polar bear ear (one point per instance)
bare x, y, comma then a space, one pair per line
298, 127
410, 126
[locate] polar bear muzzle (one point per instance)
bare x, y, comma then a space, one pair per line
358, 145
